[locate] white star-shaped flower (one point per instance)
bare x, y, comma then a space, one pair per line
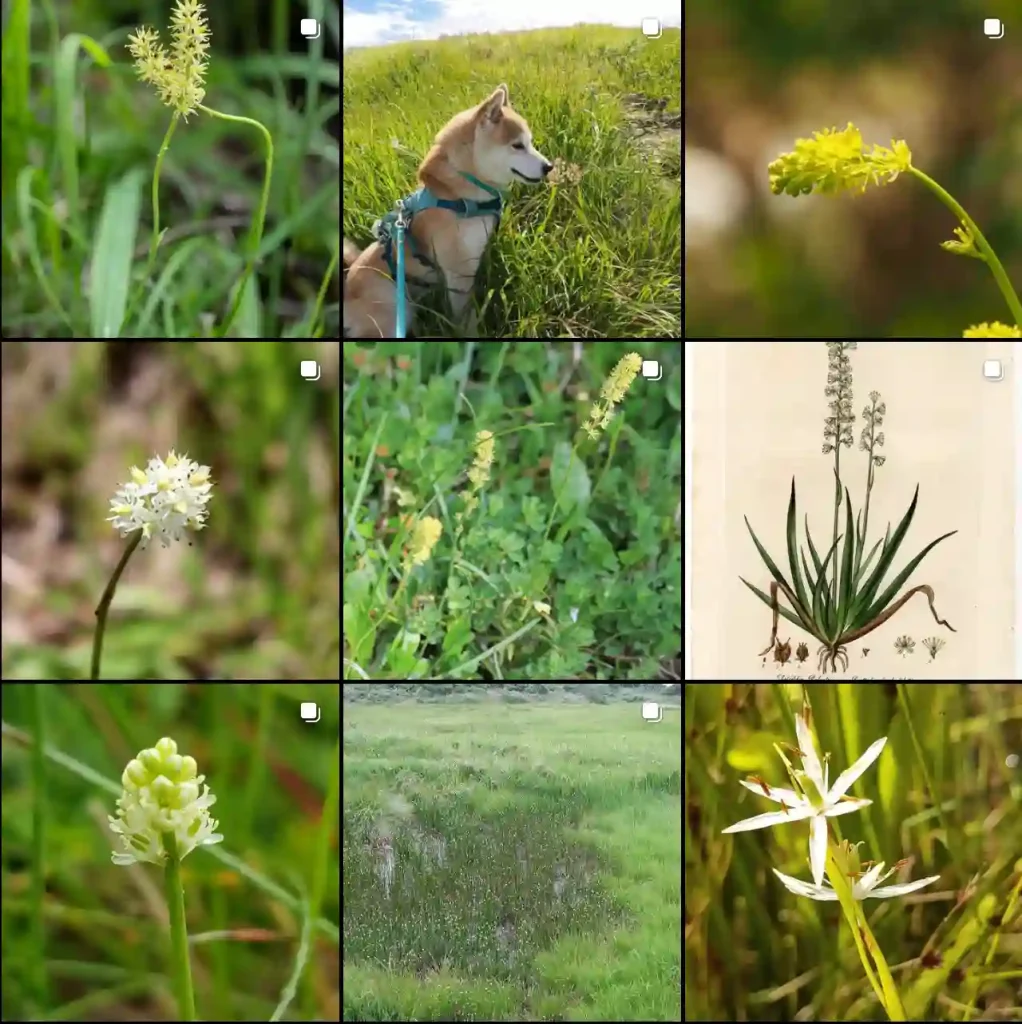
816, 801
863, 888
164, 500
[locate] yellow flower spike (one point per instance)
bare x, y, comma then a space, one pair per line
833, 160
179, 75
614, 389
994, 330
424, 537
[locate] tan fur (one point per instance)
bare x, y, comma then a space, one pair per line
480, 141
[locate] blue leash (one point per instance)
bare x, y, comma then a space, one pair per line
400, 224
421, 200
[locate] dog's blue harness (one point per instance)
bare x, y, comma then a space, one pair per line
390, 230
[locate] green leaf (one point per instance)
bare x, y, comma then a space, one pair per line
796, 576
790, 616
865, 597
847, 564
569, 478
113, 252
888, 595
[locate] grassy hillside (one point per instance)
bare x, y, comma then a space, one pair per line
511, 862
597, 255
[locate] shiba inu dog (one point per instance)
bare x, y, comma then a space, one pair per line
478, 153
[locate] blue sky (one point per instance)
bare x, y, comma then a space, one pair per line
376, 22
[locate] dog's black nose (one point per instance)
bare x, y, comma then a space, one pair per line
547, 168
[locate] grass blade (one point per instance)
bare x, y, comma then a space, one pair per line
113, 254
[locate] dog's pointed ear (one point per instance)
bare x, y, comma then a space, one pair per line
491, 107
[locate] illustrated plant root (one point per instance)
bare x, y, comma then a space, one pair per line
832, 653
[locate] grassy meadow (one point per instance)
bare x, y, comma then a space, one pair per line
596, 254
945, 793
511, 854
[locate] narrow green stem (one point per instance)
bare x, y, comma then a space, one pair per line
38, 891
104, 603
181, 968
154, 243
256, 233
1000, 276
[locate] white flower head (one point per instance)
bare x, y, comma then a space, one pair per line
162, 793
166, 499
816, 800
864, 886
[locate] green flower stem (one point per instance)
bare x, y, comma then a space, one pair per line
154, 243
1000, 276
104, 603
182, 971
256, 233
881, 980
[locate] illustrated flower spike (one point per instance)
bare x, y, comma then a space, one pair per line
816, 800
162, 815
864, 886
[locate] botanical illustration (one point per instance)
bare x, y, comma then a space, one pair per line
841, 601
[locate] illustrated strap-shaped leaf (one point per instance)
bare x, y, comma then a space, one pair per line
790, 616
796, 576
822, 612
847, 568
888, 595
864, 568
865, 598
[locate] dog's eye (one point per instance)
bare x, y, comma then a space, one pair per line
518, 145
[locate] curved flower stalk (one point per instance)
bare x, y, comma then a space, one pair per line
842, 602
179, 79
162, 815
816, 801
833, 161
165, 500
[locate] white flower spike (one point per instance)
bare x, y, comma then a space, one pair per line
162, 794
164, 501
863, 888
815, 802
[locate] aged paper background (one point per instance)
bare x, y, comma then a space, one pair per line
758, 420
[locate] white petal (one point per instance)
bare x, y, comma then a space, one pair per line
818, 847
846, 807
810, 760
814, 892
844, 781
804, 810
789, 796
871, 877
887, 891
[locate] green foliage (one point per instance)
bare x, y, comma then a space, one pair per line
570, 566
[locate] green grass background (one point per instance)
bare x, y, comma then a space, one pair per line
613, 552
84, 939
945, 794
597, 259
80, 138
257, 595
521, 781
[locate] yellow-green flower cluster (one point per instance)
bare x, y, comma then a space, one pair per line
163, 793
479, 473
424, 537
614, 389
994, 330
178, 75
833, 160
